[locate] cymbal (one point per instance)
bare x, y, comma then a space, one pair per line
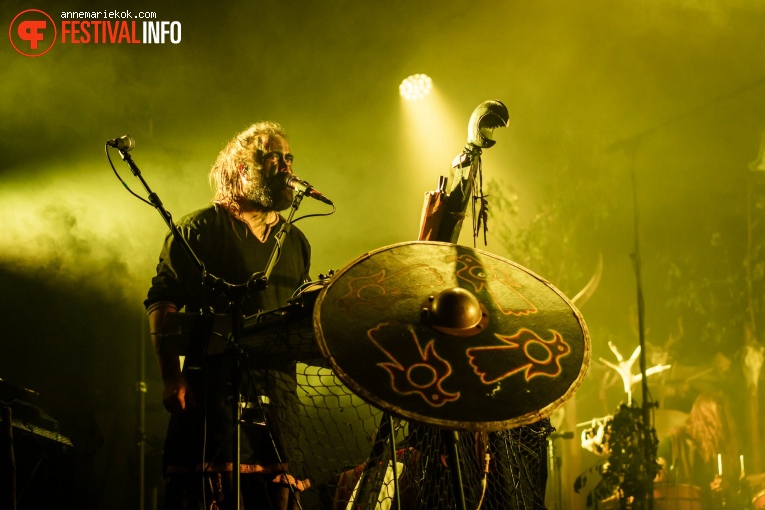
451, 336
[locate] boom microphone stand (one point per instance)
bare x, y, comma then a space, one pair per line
647, 405
630, 147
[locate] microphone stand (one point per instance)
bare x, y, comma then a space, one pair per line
259, 282
235, 294
649, 456
157, 203
262, 278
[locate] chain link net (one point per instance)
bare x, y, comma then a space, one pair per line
343, 448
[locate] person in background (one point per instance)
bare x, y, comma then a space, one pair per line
694, 455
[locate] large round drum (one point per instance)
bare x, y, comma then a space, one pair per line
451, 336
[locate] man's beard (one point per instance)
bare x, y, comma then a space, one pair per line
269, 193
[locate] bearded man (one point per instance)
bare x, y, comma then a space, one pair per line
233, 237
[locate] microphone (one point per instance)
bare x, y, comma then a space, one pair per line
295, 183
124, 143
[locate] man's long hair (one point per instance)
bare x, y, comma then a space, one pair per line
710, 424
237, 157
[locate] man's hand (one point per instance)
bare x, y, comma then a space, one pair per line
176, 395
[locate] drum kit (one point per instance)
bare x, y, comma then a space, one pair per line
434, 332
450, 337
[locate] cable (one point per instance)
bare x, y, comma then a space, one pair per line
106, 149
316, 214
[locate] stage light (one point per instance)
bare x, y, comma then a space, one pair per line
415, 87
431, 134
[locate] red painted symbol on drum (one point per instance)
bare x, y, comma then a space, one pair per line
504, 291
381, 291
30, 33
525, 351
414, 370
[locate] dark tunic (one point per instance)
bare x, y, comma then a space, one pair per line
231, 252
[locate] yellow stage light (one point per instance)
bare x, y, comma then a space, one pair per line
415, 87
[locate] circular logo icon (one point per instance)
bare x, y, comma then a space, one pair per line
32, 33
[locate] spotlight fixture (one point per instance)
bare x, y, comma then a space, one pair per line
415, 87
